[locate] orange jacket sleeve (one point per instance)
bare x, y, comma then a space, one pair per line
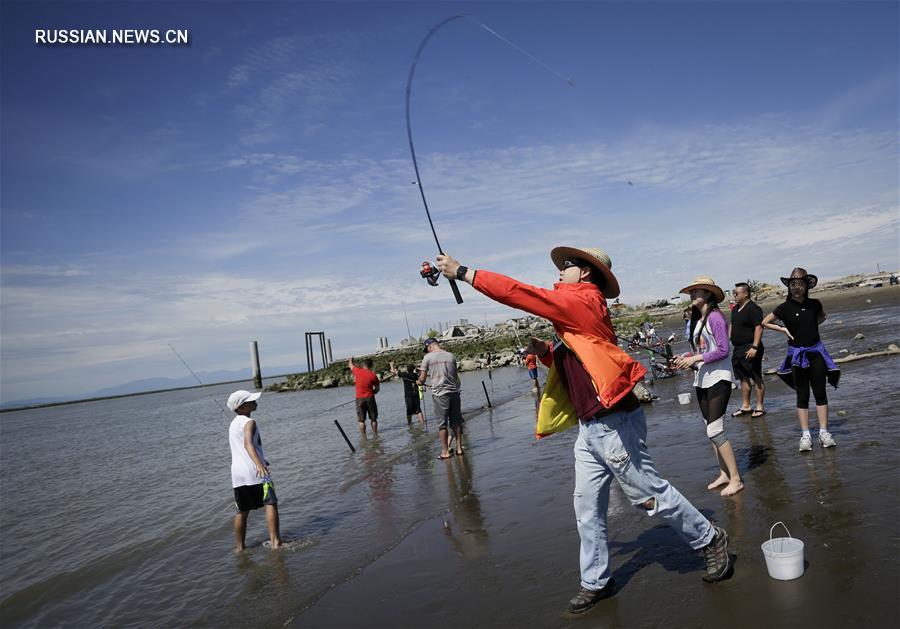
550, 304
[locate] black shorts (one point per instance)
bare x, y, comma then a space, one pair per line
366, 406
413, 405
248, 497
739, 363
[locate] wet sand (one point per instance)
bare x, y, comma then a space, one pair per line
506, 551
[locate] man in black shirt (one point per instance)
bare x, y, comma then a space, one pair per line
410, 392
745, 332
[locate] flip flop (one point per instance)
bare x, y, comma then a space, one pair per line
758, 413
444, 458
742, 411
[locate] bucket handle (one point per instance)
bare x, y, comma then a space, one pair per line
785, 528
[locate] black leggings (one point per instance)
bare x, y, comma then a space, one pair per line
714, 400
814, 376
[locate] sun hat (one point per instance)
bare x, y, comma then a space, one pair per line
428, 342
706, 283
800, 274
596, 258
240, 397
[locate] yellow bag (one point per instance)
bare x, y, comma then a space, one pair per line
556, 412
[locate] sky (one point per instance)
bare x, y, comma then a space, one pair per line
257, 183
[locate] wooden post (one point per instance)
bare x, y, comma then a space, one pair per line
254, 363
344, 435
484, 386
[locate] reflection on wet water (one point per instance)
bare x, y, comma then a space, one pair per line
467, 534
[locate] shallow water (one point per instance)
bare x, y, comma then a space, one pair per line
118, 512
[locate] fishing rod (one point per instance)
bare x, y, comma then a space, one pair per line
198, 379
646, 347
412, 149
408, 331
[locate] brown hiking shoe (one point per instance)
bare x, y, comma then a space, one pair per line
718, 561
585, 599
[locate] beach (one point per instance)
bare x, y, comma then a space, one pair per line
133, 525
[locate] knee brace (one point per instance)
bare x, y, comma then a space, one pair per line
716, 432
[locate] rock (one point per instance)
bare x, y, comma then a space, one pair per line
843, 351
893, 348
842, 413
328, 383
858, 337
642, 393
868, 301
467, 364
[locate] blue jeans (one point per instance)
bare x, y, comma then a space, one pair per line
614, 446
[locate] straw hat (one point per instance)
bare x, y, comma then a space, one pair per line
596, 258
800, 274
706, 283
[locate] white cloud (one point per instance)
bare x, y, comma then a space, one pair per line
335, 245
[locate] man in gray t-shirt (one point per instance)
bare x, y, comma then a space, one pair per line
440, 366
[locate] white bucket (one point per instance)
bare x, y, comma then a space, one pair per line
784, 555
684, 398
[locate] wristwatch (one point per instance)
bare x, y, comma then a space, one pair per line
461, 273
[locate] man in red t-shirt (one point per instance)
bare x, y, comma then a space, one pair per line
531, 366
367, 385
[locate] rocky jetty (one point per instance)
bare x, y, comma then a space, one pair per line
474, 347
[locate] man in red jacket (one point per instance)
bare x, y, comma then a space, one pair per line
595, 392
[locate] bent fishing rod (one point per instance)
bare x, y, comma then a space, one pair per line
412, 147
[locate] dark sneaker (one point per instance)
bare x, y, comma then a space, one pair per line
718, 561
585, 599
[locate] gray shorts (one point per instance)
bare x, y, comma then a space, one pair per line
448, 409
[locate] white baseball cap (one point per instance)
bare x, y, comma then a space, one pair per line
239, 397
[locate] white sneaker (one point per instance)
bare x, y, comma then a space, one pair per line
826, 440
806, 443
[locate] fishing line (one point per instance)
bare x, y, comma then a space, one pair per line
412, 148
198, 379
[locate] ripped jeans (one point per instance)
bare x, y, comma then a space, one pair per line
613, 446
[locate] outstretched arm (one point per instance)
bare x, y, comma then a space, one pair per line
549, 304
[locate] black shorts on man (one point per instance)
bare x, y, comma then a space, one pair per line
249, 497
740, 363
413, 405
366, 406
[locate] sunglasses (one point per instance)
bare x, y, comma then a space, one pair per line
568, 264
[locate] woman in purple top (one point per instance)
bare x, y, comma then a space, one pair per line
711, 362
807, 364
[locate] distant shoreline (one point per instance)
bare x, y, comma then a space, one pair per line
826, 293
113, 397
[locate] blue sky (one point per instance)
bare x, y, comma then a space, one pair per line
257, 183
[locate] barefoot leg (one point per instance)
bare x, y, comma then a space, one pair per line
272, 523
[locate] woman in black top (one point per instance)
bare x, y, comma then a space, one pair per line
807, 364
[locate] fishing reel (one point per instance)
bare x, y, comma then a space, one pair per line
429, 273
